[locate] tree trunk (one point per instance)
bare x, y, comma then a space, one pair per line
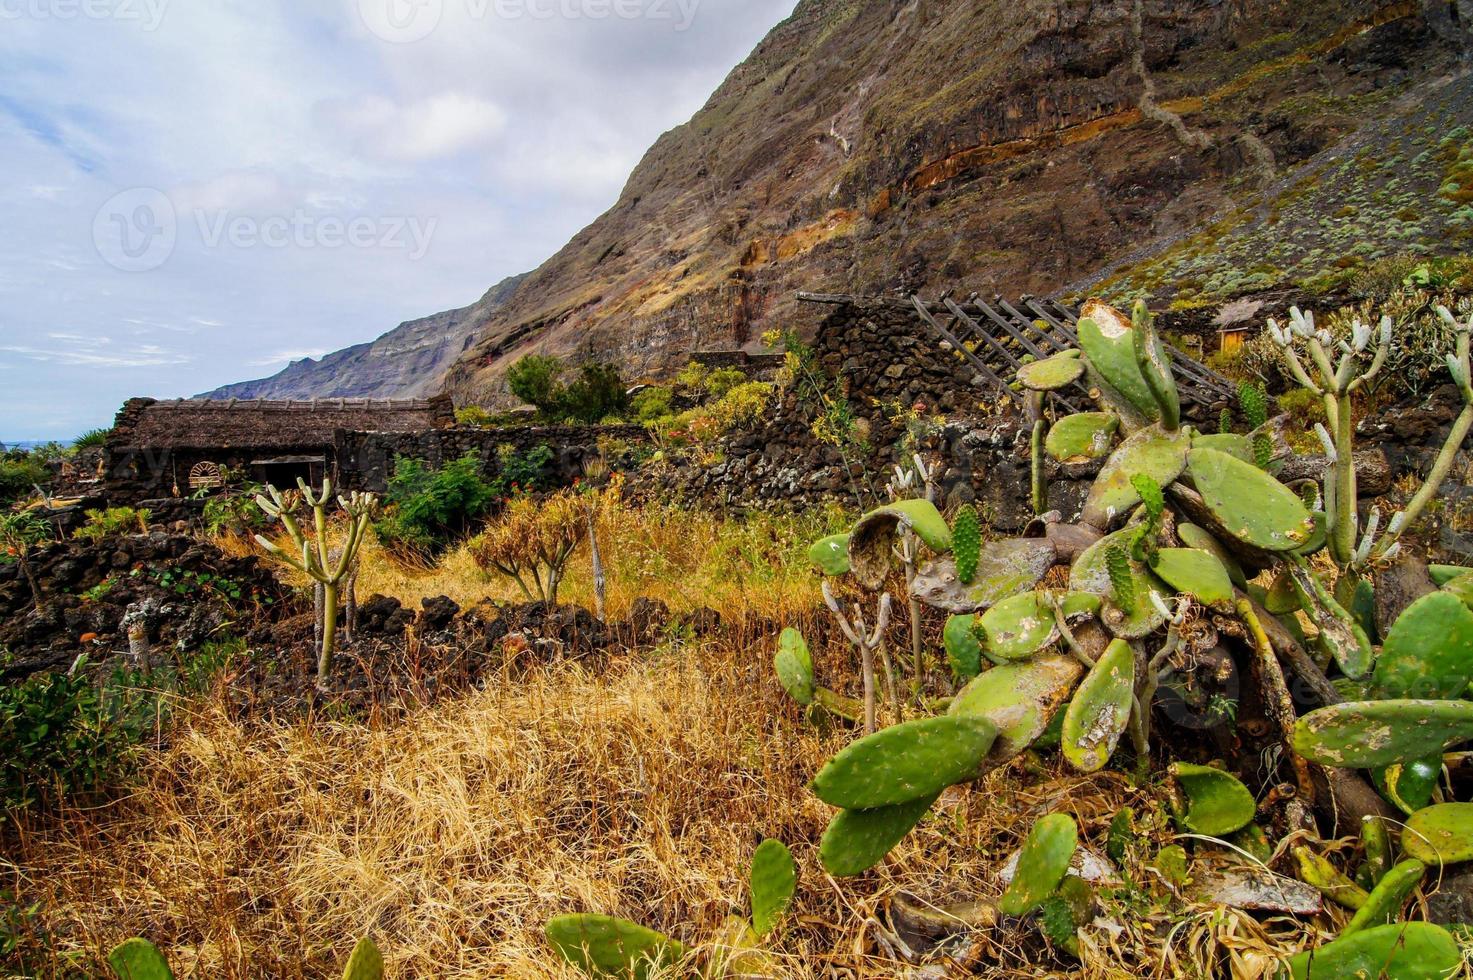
329, 625
867, 661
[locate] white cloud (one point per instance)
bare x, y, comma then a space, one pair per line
438, 126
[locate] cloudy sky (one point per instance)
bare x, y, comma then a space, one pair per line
195, 192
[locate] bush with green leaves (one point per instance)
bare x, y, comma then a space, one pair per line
597, 394
20, 474
653, 405
427, 508
92, 439
535, 380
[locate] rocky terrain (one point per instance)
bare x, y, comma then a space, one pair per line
1195, 151
409, 361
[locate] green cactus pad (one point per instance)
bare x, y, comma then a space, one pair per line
963, 649
1369, 734
905, 762
774, 880
1052, 373
1384, 903
366, 962
857, 840
1251, 505
1160, 455
1282, 597
1042, 864
1019, 626
1091, 573
1155, 365
1462, 587
1108, 340
871, 539
1443, 574
1340, 635
139, 959
1429, 651
966, 543
1020, 700
831, 554
1006, 567
1238, 446
1217, 803
1409, 785
1197, 573
794, 666
1400, 951
1195, 537
1441, 834
1097, 716
1081, 437
605, 946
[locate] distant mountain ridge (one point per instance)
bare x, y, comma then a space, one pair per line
409, 361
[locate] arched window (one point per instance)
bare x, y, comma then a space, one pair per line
206, 476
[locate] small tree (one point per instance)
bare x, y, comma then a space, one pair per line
534, 379
532, 543
20, 532
316, 560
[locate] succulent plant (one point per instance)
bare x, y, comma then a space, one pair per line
1037, 472
1401, 951
831, 554
1006, 567
905, 762
1369, 734
1019, 626
139, 959
1249, 504
1441, 834
1216, 802
870, 541
966, 543
1081, 437
1155, 366
1092, 572
1409, 785
1097, 716
1042, 864
857, 840
1195, 537
774, 879
794, 665
1159, 454
1108, 341
1429, 651
1052, 373
365, 962
1121, 836
1253, 400
606, 946
1384, 903
1376, 842
1316, 871
1019, 700
963, 648
1197, 573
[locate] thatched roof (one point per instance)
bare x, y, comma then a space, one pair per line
236, 424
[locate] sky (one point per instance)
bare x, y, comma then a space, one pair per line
198, 192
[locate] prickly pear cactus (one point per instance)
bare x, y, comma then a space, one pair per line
605, 946
1216, 802
1020, 700
1097, 716
1441, 834
966, 543
1156, 453
139, 959
1369, 734
831, 554
1155, 366
1196, 537
871, 540
1108, 340
1234, 445
1091, 573
1018, 627
365, 963
1409, 785
1052, 373
1006, 567
905, 762
774, 880
1249, 504
1400, 951
1042, 864
1384, 903
794, 665
1197, 573
1081, 437
1429, 651
963, 649
857, 840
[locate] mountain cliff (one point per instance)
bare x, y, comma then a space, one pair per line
409, 361
1194, 150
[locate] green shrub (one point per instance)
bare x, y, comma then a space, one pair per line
598, 394
721, 382
534, 379
236, 512
473, 416
428, 508
113, 522
692, 377
92, 439
653, 404
19, 475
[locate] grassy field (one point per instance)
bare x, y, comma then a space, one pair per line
637, 785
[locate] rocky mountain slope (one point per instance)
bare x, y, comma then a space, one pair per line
1169, 145
409, 361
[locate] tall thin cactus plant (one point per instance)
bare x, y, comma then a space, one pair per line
313, 557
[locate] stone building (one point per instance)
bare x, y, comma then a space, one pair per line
163, 449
